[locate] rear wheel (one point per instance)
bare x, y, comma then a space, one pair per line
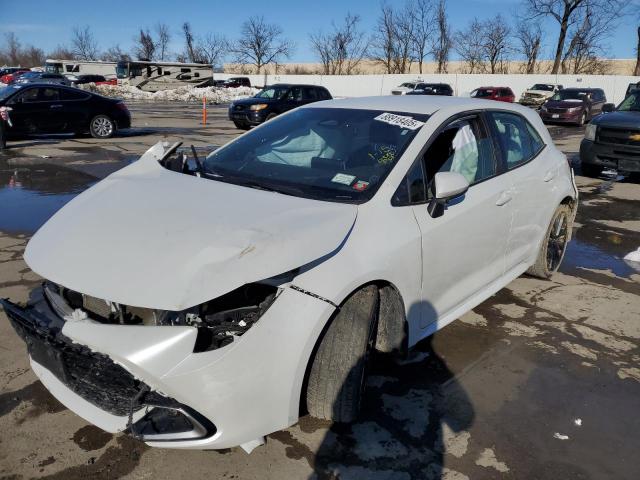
554, 244
102, 126
337, 376
590, 170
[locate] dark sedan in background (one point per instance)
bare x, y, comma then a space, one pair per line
612, 140
273, 101
41, 77
443, 89
573, 105
45, 108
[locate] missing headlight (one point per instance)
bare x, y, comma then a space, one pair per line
219, 321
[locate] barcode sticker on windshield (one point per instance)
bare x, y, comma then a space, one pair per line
400, 121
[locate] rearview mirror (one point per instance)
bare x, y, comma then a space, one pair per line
446, 186
608, 107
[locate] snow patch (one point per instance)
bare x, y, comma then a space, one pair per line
187, 93
560, 436
488, 459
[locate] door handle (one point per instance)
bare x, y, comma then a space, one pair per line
55, 106
550, 175
504, 198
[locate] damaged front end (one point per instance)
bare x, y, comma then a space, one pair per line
129, 401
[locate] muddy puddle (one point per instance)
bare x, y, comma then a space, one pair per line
29, 196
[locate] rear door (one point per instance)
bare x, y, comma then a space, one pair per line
531, 171
54, 117
75, 109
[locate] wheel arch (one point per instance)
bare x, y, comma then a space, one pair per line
392, 329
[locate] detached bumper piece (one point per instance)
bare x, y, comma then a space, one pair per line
100, 381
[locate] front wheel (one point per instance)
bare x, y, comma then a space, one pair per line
102, 126
583, 119
337, 377
554, 244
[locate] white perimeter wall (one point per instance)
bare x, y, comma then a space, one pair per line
614, 86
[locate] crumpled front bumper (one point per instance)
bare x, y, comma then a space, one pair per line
92, 384
240, 392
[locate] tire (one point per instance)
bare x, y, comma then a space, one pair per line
101, 126
590, 170
337, 375
583, 119
554, 244
241, 126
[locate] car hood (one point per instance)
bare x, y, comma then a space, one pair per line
618, 119
253, 101
544, 93
564, 103
149, 237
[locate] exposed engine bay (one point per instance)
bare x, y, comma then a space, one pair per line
219, 321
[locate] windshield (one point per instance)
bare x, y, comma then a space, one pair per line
631, 103
7, 91
331, 154
275, 93
408, 85
570, 95
122, 70
543, 87
53, 68
481, 93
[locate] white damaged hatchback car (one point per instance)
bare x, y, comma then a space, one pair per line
204, 303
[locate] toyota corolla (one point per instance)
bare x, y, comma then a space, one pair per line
206, 302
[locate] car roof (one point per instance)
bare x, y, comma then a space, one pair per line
427, 104
288, 85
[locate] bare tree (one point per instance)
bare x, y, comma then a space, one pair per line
145, 46
114, 54
443, 42
189, 40
423, 28
393, 39
587, 45
83, 44
62, 52
260, 43
568, 12
212, 49
343, 49
12, 49
529, 38
163, 38
495, 45
32, 57
469, 44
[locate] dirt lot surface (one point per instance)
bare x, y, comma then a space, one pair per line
542, 381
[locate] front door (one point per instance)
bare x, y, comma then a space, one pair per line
464, 249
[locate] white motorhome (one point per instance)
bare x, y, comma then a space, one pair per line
155, 76
73, 68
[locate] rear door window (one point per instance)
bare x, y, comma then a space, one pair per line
28, 96
72, 95
516, 138
310, 94
49, 95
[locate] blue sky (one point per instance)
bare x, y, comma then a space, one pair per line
116, 21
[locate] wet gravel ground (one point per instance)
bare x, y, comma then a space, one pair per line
541, 381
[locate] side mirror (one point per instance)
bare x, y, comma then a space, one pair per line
608, 107
446, 186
